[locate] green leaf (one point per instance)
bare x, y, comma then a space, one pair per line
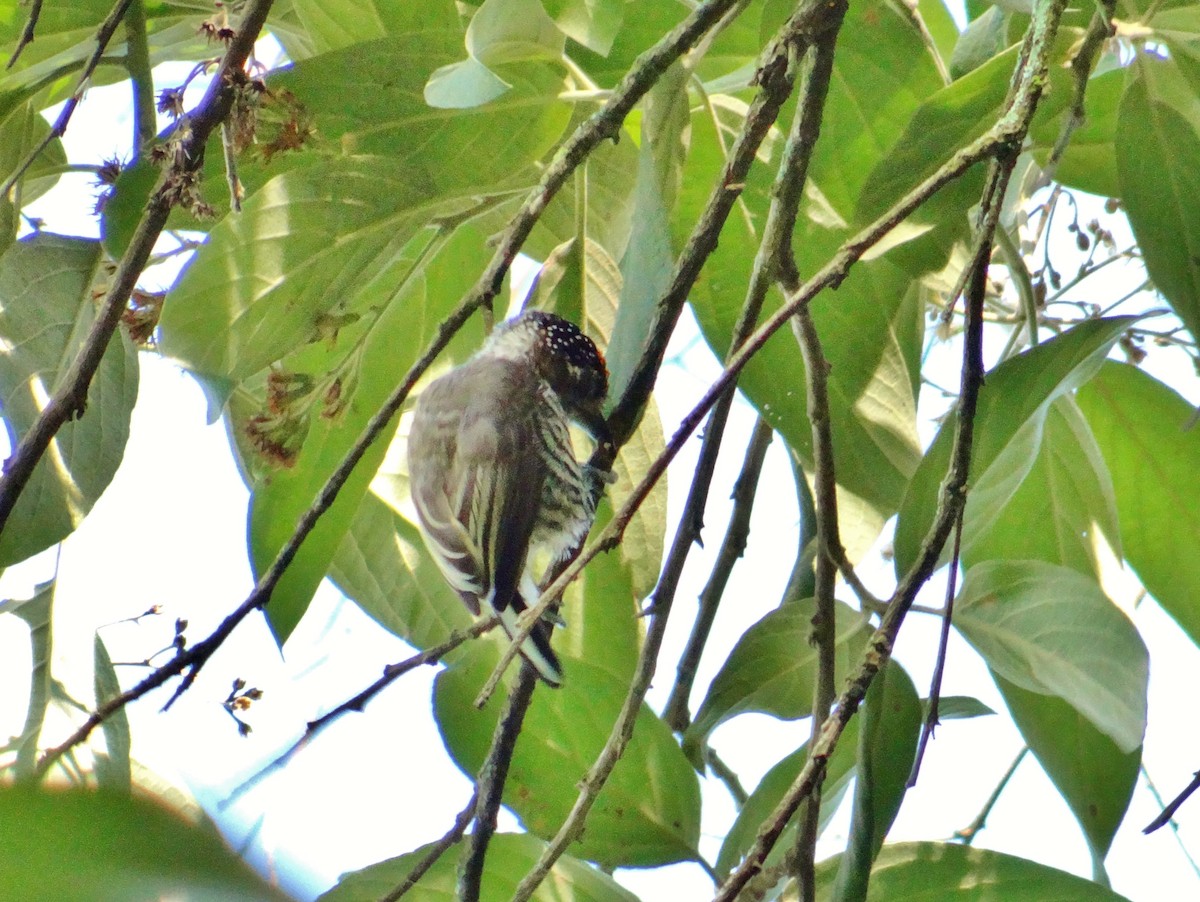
1053, 631
984, 37
85, 845
1158, 161
1090, 160
1064, 499
637, 33
960, 707
883, 73
501, 31
46, 310
1140, 425
510, 857
770, 791
382, 565
333, 24
1094, 776
606, 183
400, 310
113, 768
915, 872
772, 669
1008, 425
887, 745
36, 613
592, 23
21, 131
647, 814
648, 262
954, 116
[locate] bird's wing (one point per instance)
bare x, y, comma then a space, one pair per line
501, 479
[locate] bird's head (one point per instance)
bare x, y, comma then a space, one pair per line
564, 357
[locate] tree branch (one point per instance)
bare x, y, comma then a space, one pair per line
489, 786
824, 633
732, 548
27, 33
452, 836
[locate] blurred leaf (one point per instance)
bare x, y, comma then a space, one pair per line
1053, 631
333, 24
607, 183
637, 33
772, 669
36, 613
648, 262
985, 37
1090, 161
1008, 429
1140, 425
960, 707
66, 37
89, 845
1094, 776
770, 791
113, 768
501, 31
1158, 161
648, 813
510, 857
1065, 497
592, 23
887, 744
912, 872
46, 310
21, 131
953, 117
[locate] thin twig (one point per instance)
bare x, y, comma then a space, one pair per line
1171, 807
939, 666
823, 635
1100, 29
828, 536
968, 833
103, 35
436, 851
27, 33
599, 127
1027, 86
358, 702
726, 775
489, 786
733, 546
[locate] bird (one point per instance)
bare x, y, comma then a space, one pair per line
493, 473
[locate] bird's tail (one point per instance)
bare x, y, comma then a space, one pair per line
536, 648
